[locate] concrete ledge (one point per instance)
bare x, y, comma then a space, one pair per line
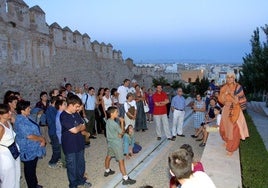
224, 170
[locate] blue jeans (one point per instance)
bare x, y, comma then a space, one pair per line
56, 150
75, 164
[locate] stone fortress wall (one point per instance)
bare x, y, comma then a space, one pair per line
35, 56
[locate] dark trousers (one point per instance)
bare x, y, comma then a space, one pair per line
56, 151
30, 173
90, 126
168, 105
75, 164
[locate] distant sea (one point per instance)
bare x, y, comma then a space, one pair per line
188, 61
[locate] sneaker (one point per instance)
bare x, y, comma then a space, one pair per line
128, 181
59, 164
86, 185
202, 144
173, 138
158, 138
111, 172
193, 136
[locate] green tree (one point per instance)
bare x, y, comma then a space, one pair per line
160, 81
255, 65
176, 84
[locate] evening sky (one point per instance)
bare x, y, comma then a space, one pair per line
164, 31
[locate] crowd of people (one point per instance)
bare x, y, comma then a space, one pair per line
68, 119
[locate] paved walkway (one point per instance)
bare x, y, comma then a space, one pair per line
149, 167
261, 123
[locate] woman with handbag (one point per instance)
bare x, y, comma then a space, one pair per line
140, 123
233, 126
9, 153
130, 110
31, 143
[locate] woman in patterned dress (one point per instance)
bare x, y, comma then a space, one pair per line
199, 109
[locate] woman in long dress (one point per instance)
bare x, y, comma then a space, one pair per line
233, 126
140, 123
9, 167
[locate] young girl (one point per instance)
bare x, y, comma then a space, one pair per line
129, 144
211, 127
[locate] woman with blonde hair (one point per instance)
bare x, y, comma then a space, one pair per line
233, 126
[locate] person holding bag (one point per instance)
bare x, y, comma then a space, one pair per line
130, 110
9, 152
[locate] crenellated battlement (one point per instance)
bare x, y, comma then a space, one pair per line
19, 18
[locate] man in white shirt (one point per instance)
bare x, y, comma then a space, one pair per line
123, 90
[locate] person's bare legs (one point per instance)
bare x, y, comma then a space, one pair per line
205, 136
199, 131
107, 162
122, 167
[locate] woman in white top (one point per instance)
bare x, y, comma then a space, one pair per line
107, 101
9, 167
130, 110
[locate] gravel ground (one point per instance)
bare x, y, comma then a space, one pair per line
155, 174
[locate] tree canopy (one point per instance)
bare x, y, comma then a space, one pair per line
255, 64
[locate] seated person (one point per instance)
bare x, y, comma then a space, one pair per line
180, 164
212, 127
210, 119
130, 147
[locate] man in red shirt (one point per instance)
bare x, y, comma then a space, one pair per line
160, 99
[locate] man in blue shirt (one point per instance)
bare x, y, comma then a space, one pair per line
178, 108
89, 101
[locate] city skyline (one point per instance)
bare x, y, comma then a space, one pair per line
171, 31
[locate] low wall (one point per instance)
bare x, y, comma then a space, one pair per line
224, 170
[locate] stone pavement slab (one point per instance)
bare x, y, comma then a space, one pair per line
261, 123
147, 167
223, 170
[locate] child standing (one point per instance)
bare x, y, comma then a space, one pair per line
60, 105
115, 147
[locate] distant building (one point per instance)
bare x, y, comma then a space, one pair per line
191, 75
